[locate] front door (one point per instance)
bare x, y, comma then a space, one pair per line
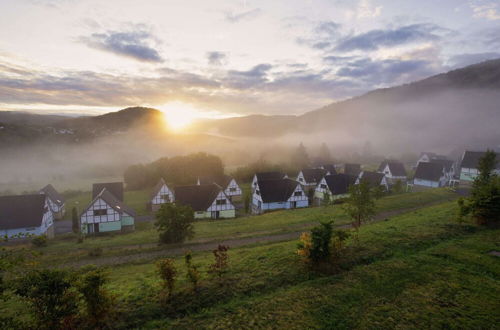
293, 205
215, 214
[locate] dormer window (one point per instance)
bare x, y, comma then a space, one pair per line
323, 186
297, 193
221, 202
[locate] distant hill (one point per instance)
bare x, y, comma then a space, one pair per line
457, 108
27, 118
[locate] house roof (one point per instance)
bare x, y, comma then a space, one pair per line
21, 211
429, 171
313, 175
199, 197
269, 176
112, 201
352, 169
158, 187
339, 183
222, 180
280, 190
116, 188
373, 178
397, 168
330, 168
447, 164
52, 194
470, 159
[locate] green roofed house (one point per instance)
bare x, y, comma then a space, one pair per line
107, 214
206, 200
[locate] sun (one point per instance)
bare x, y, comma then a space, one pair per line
178, 115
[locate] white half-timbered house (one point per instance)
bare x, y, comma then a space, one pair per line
335, 186
310, 177
278, 194
162, 194
264, 176
26, 215
429, 175
55, 200
393, 171
469, 166
228, 185
206, 200
374, 179
106, 214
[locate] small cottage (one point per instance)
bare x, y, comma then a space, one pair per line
449, 167
469, 165
352, 169
335, 186
264, 176
426, 157
374, 179
161, 194
55, 200
278, 194
106, 213
310, 177
429, 175
228, 185
393, 171
26, 215
206, 200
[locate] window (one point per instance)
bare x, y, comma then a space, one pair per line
297, 193
165, 198
232, 189
301, 179
323, 186
45, 209
257, 192
221, 202
100, 212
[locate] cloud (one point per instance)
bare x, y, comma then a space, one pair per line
461, 60
216, 58
245, 15
386, 72
132, 44
365, 9
486, 9
375, 39
247, 79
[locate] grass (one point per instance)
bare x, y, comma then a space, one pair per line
146, 236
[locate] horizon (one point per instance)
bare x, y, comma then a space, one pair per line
240, 58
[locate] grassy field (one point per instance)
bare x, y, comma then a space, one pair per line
417, 270
145, 236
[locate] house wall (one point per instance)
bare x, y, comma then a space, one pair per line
89, 217
232, 190
217, 207
426, 183
158, 200
110, 226
46, 227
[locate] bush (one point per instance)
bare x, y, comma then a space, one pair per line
95, 252
174, 223
193, 274
39, 241
221, 262
168, 273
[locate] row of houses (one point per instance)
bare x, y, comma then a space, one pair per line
218, 197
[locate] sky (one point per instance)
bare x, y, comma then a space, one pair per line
217, 58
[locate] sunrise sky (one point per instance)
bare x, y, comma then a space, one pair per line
216, 58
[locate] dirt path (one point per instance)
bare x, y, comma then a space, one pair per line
172, 251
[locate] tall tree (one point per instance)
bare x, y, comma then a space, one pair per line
324, 154
300, 158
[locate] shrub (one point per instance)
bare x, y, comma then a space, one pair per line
174, 223
168, 273
39, 241
95, 252
193, 274
221, 262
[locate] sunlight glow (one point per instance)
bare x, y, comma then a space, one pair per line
178, 115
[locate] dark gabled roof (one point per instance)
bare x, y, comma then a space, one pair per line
280, 190
21, 211
397, 168
430, 154
339, 183
222, 180
382, 166
447, 164
352, 169
158, 187
116, 188
471, 159
199, 197
261, 176
429, 171
373, 178
112, 201
330, 168
52, 194
313, 175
